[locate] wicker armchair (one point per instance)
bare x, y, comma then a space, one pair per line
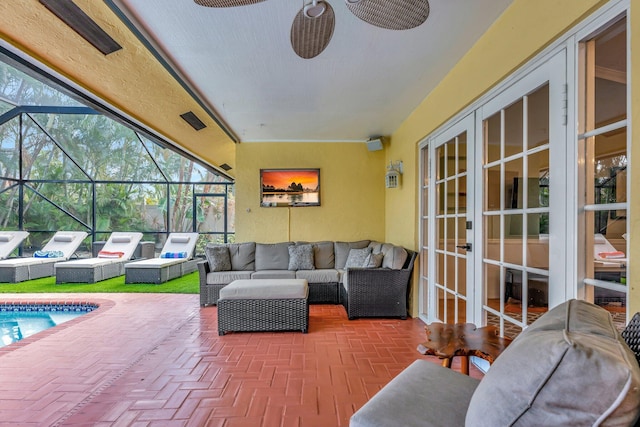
209, 294
377, 292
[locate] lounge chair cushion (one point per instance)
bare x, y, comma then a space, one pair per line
121, 239
6, 237
63, 238
180, 239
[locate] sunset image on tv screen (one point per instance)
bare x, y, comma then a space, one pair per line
290, 187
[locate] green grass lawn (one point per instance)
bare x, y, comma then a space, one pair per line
188, 284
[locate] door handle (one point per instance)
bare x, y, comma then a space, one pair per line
466, 247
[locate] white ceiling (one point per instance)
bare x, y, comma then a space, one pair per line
364, 84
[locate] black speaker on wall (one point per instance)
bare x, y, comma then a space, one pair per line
374, 144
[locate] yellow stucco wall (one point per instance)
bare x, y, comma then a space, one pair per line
130, 79
352, 193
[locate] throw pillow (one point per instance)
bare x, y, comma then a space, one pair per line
373, 260
218, 258
357, 257
301, 257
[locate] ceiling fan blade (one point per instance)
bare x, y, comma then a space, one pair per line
391, 14
226, 3
310, 36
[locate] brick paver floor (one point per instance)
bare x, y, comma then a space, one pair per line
157, 360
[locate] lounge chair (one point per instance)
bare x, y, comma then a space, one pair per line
9, 241
109, 263
175, 261
60, 247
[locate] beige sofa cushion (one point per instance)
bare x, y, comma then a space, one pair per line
570, 368
323, 255
272, 256
243, 256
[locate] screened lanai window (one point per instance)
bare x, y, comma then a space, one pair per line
65, 166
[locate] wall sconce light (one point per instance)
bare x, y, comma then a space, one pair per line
394, 172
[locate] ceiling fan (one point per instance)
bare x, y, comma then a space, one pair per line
312, 27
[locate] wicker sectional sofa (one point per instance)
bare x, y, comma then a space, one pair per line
369, 278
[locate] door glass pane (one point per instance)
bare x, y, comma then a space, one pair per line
462, 153
461, 237
440, 227
492, 188
451, 272
492, 237
440, 278
611, 75
441, 195
441, 304
610, 167
462, 276
513, 239
451, 234
462, 194
515, 187
441, 165
538, 190
492, 285
492, 138
537, 290
513, 129
538, 117
425, 166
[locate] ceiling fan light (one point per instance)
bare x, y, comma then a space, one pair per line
315, 9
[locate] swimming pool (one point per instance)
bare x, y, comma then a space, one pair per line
19, 321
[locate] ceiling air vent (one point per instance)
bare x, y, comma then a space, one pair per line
225, 167
82, 24
193, 120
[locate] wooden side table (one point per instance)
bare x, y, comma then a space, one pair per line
462, 339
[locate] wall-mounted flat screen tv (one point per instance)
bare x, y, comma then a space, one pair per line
289, 187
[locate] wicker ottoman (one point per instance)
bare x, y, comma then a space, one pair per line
264, 305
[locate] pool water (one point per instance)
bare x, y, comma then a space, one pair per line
19, 321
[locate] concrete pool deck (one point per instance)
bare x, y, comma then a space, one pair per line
157, 359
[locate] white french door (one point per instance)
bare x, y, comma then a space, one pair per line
493, 219
447, 224
522, 177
